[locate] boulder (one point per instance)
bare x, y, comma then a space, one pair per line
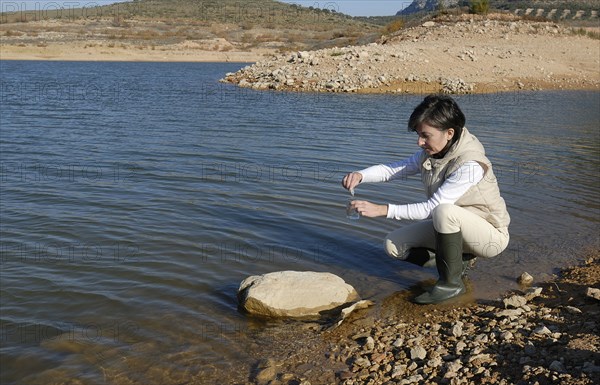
294, 293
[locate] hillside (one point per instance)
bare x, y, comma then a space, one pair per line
224, 26
568, 11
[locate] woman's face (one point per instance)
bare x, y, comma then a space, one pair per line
433, 140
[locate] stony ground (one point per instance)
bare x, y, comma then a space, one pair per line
547, 334
458, 55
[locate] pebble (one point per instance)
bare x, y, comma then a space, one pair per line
593, 293
525, 279
542, 330
456, 330
418, 353
515, 301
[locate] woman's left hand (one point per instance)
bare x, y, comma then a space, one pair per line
368, 209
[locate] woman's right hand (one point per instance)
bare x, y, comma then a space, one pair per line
351, 180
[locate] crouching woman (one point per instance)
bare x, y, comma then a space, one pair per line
464, 216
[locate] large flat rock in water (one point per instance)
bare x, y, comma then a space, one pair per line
294, 293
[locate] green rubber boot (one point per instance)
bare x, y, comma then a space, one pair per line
420, 256
424, 257
449, 261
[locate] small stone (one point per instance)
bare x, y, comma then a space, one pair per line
515, 301
506, 336
594, 293
370, 343
511, 313
452, 368
398, 343
412, 380
362, 362
533, 292
267, 371
398, 371
530, 349
418, 353
428, 24
525, 279
378, 357
345, 375
480, 359
557, 366
542, 330
456, 330
435, 362
589, 367
460, 345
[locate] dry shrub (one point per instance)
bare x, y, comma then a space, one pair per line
394, 26
11, 33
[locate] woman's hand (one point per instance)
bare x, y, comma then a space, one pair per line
368, 209
351, 180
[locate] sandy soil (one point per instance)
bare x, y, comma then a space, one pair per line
74, 51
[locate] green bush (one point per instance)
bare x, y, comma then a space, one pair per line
479, 7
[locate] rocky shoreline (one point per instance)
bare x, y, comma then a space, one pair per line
457, 56
541, 335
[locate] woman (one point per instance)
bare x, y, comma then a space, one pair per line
464, 216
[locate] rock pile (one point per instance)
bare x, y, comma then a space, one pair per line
482, 344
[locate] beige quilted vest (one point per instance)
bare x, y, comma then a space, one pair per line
482, 199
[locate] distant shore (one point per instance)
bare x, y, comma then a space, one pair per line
456, 56
79, 52
468, 54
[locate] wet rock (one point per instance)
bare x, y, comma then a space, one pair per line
525, 279
266, 371
557, 366
589, 367
593, 293
573, 310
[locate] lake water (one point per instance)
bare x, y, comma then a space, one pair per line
135, 197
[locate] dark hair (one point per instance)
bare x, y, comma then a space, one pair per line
438, 111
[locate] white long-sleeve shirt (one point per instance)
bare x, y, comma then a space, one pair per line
467, 175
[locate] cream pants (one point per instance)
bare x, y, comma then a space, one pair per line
479, 236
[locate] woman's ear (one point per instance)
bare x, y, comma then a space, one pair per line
450, 133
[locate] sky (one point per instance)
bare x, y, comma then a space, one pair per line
349, 7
